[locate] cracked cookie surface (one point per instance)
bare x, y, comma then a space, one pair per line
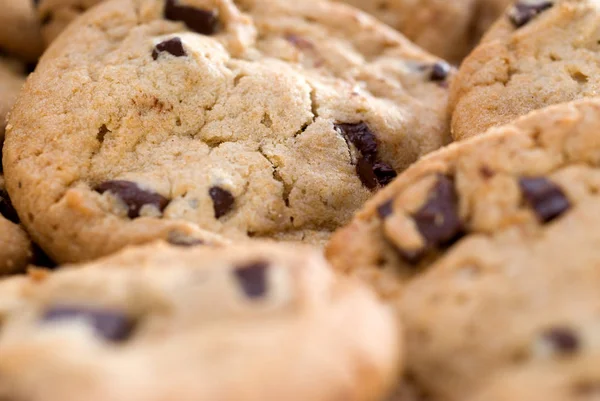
249, 323
19, 29
448, 29
248, 119
539, 54
487, 247
15, 247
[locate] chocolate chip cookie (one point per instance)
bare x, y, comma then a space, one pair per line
448, 29
489, 248
255, 119
263, 322
15, 249
19, 29
540, 53
55, 15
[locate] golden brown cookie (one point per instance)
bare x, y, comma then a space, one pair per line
255, 119
247, 323
487, 247
540, 53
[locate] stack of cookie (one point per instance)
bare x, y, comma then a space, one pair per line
259, 200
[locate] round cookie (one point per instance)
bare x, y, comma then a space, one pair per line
55, 15
448, 29
19, 29
486, 246
540, 53
256, 119
249, 323
15, 249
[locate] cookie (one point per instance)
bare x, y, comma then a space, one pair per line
56, 15
575, 377
486, 247
448, 29
250, 323
15, 247
264, 119
19, 29
539, 54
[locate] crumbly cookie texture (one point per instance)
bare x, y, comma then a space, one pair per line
249, 119
538, 54
19, 29
487, 247
249, 323
448, 29
15, 246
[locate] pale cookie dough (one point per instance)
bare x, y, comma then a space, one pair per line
247, 323
540, 53
447, 28
487, 247
19, 29
262, 118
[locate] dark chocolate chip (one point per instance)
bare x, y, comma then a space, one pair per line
384, 173
253, 278
438, 220
6, 208
172, 46
361, 137
133, 196
563, 340
385, 209
112, 325
546, 198
524, 11
36, 2
365, 172
440, 71
371, 171
223, 201
198, 20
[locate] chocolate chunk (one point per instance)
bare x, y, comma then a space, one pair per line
198, 20
384, 173
386, 209
6, 208
438, 220
361, 137
223, 201
546, 198
371, 171
524, 11
563, 340
36, 2
365, 172
440, 71
112, 325
133, 196
253, 278
172, 46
